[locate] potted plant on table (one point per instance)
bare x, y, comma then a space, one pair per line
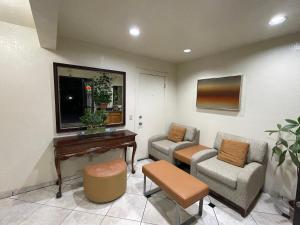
102, 90
94, 121
288, 143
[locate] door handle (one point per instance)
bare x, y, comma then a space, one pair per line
298, 204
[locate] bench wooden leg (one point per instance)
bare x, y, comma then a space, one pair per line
150, 192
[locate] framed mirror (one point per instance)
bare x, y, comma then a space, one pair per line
78, 88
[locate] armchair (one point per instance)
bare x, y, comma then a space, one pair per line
238, 186
159, 147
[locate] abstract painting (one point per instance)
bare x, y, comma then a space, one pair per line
219, 93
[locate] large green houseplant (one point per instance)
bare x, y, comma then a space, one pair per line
102, 90
288, 143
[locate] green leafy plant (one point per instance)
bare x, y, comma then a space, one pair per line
289, 146
94, 119
102, 89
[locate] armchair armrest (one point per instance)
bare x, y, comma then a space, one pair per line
201, 156
158, 137
154, 138
251, 179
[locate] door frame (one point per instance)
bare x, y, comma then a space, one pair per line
148, 73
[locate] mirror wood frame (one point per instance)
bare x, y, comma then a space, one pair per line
59, 128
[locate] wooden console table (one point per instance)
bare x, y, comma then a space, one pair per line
66, 147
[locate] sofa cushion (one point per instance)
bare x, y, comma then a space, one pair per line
163, 146
190, 133
233, 152
220, 171
176, 133
257, 149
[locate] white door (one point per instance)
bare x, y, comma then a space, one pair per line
150, 111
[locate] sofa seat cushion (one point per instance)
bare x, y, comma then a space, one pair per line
163, 146
220, 171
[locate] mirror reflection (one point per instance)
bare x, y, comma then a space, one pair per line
81, 89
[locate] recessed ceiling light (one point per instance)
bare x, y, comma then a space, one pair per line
278, 19
187, 50
134, 31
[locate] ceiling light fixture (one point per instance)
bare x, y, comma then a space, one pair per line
134, 31
187, 50
278, 19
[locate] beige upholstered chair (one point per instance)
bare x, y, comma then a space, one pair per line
239, 186
159, 147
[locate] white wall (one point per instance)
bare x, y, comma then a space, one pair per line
27, 114
270, 94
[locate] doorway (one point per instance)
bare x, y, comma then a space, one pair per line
149, 110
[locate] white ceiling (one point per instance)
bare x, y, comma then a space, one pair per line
169, 26
16, 12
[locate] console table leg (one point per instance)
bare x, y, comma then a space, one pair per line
57, 165
125, 154
132, 159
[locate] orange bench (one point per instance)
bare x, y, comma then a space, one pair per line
181, 187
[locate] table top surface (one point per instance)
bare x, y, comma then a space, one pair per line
185, 154
99, 136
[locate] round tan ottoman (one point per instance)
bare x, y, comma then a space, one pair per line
105, 182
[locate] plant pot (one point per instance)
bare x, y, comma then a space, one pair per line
292, 210
103, 105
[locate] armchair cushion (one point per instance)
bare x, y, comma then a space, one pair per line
220, 171
163, 145
176, 133
190, 132
257, 149
233, 152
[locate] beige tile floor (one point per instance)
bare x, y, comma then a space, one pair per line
40, 207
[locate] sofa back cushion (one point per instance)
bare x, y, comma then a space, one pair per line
257, 149
233, 152
176, 133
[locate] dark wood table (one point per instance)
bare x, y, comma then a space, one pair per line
79, 145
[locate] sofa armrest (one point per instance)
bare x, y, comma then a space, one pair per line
201, 156
251, 180
178, 146
154, 138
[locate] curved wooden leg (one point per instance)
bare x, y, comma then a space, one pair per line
57, 165
125, 154
132, 159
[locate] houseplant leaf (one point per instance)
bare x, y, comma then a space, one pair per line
294, 159
281, 158
279, 126
298, 131
299, 119
288, 127
271, 131
283, 142
291, 121
276, 150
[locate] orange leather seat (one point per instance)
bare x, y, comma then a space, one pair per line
179, 185
105, 182
185, 155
